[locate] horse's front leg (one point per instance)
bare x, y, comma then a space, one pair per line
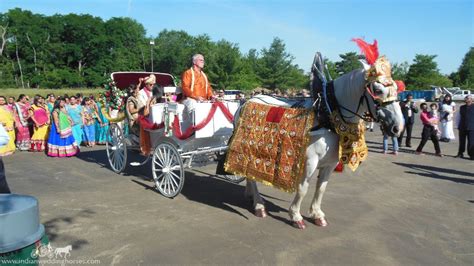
295, 207
251, 191
315, 211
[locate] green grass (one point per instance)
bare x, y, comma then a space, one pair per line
7, 92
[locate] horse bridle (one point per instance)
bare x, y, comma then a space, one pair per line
377, 102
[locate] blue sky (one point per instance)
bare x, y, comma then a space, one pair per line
403, 28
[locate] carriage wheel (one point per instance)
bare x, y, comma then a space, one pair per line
116, 148
236, 179
168, 170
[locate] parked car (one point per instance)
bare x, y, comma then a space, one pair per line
231, 94
459, 95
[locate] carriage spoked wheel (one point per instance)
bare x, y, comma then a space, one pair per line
168, 170
116, 148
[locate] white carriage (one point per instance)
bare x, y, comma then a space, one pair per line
173, 149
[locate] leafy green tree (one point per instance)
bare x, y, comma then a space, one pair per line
125, 44
246, 78
424, 72
349, 62
224, 63
274, 66
7, 73
466, 70
400, 70
455, 78
174, 50
297, 79
59, 77
22, 26
84, 39
81, 50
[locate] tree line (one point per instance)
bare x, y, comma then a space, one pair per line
38, 51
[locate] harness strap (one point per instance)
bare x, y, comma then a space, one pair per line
352, 112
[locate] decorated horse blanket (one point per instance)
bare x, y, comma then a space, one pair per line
269, 145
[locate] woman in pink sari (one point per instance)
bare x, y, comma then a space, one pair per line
22, 107
39, 113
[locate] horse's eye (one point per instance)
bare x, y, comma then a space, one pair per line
378, 91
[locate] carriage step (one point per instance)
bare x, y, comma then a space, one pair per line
142, 163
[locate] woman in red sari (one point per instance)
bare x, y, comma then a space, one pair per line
39, 113
23, 138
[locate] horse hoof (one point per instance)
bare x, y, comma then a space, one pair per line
261, 213
321, 222
299, 224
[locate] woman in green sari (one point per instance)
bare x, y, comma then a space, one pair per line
61, 142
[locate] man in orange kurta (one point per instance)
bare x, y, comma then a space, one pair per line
196, 87
195, 83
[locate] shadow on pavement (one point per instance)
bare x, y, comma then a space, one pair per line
99, 157
434, 172
204, 188
94, 156
209, 190
215, 193
222, 194
55, 228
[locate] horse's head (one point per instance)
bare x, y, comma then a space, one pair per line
383, 90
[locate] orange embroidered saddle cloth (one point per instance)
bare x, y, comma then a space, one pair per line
269, 145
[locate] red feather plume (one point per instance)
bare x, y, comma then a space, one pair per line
371, 51
400, 85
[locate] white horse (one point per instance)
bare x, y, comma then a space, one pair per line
354, 101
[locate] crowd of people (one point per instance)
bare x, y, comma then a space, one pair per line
439, 121
57, 126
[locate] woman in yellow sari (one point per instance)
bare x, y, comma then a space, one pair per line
8, 121
39, 113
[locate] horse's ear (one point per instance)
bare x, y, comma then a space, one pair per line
364, 64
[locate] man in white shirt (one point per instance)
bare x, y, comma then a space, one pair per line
145, 94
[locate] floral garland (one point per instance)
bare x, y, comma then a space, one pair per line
115, 97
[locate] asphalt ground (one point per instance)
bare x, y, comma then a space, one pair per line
394, 210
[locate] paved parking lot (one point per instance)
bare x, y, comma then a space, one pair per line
394, 210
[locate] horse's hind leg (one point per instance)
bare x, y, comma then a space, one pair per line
315, 211
251, 190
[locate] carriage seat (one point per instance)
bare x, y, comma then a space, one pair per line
218, 125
